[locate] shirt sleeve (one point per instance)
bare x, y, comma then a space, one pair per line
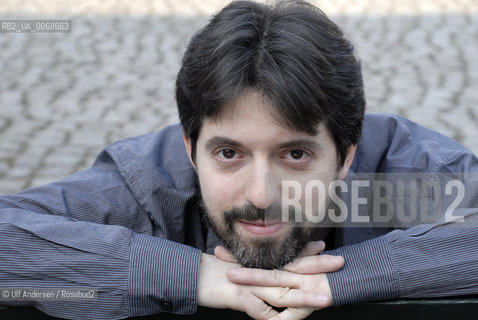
424, 261
88, 232
421, 262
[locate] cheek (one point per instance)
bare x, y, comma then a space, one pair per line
219, 192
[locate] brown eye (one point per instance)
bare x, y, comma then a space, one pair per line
228, 153
297, 154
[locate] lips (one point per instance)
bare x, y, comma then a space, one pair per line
261, 228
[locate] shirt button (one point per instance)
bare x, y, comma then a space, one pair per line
166, 305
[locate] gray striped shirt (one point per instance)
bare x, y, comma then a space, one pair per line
130, 229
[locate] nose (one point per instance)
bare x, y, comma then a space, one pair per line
261, 188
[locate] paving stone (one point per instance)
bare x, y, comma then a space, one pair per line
65, 96
13, 185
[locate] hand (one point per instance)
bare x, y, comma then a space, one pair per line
296, 282
217, 291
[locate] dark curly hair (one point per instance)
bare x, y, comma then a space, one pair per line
290, 52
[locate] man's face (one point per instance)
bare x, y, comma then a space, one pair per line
241, 159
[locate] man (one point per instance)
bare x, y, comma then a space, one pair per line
269, 96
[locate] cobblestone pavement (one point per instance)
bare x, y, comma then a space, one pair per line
64, 96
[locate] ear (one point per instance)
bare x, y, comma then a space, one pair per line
188, 144
349, 157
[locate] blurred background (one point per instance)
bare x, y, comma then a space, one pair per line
65, 96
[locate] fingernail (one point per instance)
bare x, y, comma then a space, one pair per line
336, 259
322, 298
234, 272
319, 243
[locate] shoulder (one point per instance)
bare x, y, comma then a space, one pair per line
391, 143
158, 159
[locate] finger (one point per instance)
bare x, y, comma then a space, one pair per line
264, 278
222, 253
293, 314
315, 264
257, 308
287, 297
312, 248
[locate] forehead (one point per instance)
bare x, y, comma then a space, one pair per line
252, 117
251, 104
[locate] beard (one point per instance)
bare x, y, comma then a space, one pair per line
263, 252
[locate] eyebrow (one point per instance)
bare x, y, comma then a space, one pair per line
302, 144
217, 141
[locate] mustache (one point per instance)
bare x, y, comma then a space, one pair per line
252, 213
